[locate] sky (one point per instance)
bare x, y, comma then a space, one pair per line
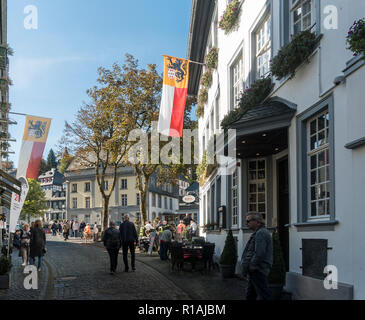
54, 65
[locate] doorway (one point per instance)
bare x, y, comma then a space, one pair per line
283, 207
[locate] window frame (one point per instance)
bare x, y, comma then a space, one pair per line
239, 82
265, 23
122, 186
87, 201
124, 197
88, 189
302, 160
234, 186
74, 188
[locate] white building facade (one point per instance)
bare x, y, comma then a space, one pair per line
300, 153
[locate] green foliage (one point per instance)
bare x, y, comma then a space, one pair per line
229, 18
207, 79
35, 202
356, 37
199, 110
291, 56
51, 160
5, 265
64, 163
211, 59
251, 98
277, 273
229, 254
203, 96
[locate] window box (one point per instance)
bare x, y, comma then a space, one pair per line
229, 19
211, 58
356, 38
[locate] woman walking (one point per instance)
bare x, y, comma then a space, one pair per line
24, 250
37, 244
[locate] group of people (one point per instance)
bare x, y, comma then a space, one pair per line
31, 243
162, 233
75, 229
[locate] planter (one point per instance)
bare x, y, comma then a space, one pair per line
276, 290
5, 281
227, 270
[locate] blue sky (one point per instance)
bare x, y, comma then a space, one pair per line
54, 65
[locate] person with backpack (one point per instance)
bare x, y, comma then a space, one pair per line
128, 236
112, 243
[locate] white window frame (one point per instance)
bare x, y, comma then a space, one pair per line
235, 198
124, 184
263, 49
298, 5
256, 182
237, 84
124, 200
325, 168
87, 201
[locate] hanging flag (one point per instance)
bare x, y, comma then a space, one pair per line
31, 152
174, 92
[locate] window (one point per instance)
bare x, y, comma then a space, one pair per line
87, 202
234, 198
87, 186
105, 185
170, 204
263, 49
302, 15
237, 82
165, 203
74, 203
74, 188
138, 199
318, 165
159, 201
257, 186
124, 184
217, 124
153, 200
124, 200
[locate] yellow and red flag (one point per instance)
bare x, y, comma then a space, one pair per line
174, 92
34, 140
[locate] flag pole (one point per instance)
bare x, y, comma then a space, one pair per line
190, 61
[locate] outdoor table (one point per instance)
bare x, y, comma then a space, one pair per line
192, 254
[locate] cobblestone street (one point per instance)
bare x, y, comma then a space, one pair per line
77, 270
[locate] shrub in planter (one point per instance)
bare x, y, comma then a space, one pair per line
211, 59
251, 97
207, 79
199, 110
356, 37
203, 96
229, 18
5, 265
291, 56
228, 257
276, 277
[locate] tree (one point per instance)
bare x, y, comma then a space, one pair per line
43, 168
35, 201
64, 163
98, 137
51, 160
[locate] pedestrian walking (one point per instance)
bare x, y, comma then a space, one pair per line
59, 227
95, 232
24, 251
54, 228
87, 232
71, 228
37, 244
112, 243
81, 228
179, 231
128, 236
187, 220
165, 241
75, 229
193, 228
257, 258
66, 228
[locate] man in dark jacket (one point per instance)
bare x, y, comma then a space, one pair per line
111, 239
257, 258
128, 235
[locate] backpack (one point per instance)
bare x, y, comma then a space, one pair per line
114, 238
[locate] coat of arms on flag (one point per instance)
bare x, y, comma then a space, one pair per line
174, 92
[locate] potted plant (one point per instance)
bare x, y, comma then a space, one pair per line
5, 267
229, 18
228, 259
356, 38
276, 277
211, 58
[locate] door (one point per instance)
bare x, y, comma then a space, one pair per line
283, 207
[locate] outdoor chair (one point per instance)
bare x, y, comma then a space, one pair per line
208, 252
177, 256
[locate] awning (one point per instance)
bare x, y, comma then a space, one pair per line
8, 184
263, 130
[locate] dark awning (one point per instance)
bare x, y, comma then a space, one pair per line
200, 21
263, 130
8, 184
